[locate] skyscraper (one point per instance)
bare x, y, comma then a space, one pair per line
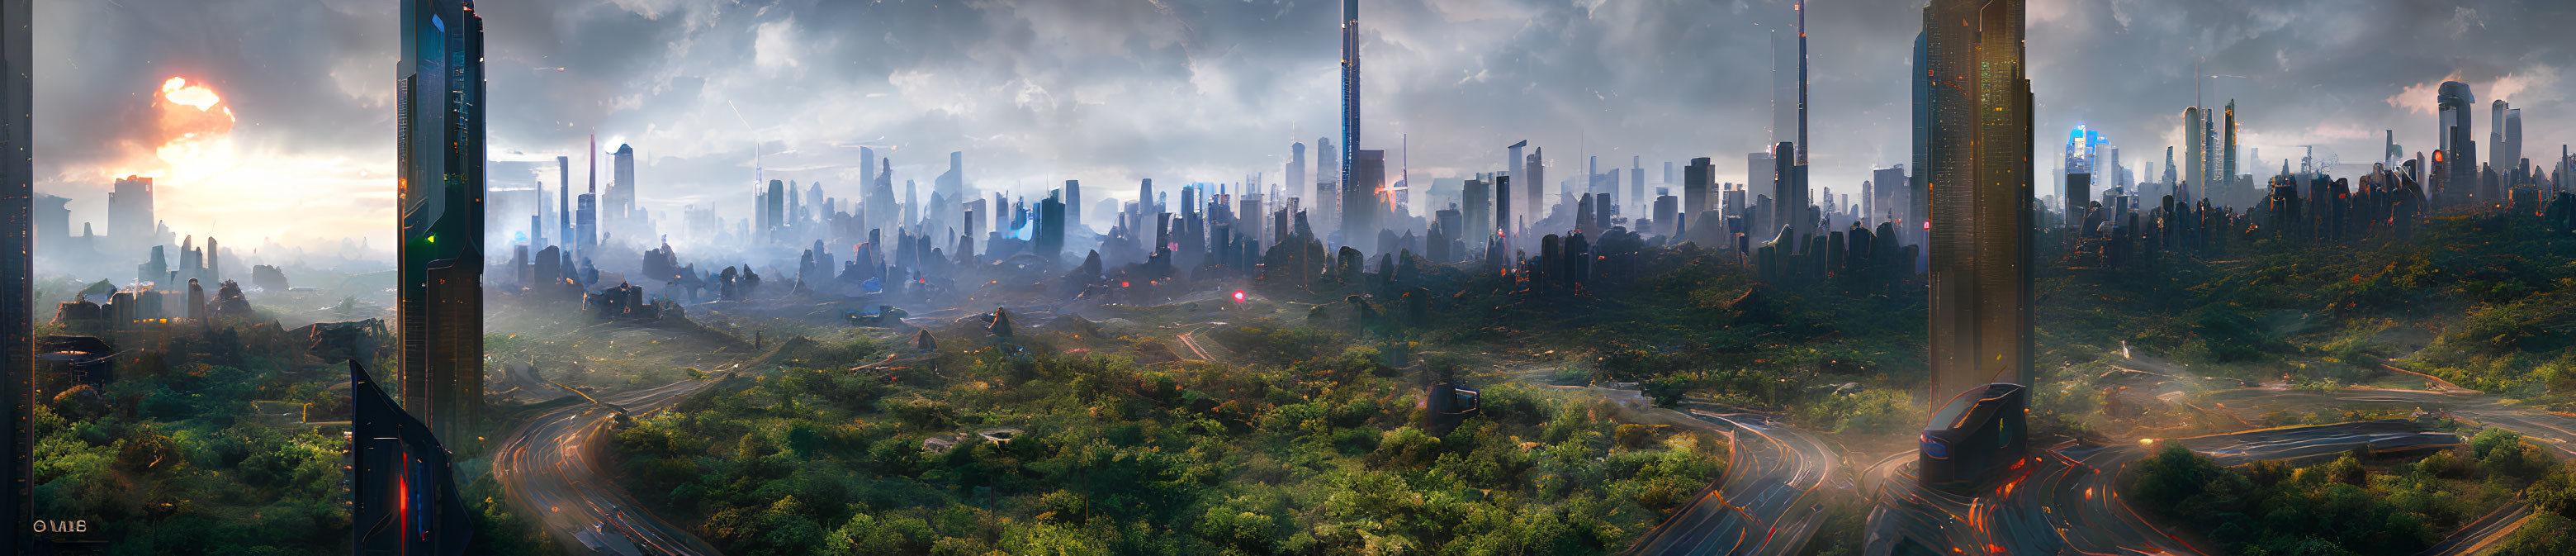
586, 228
1328, 186
1757, 176
1073, 203
773, 207
1979, 176
1789, 210
1695, 182
2226, 180
2195, 162
1353, 201
130, 220
1360, 197
1296, 170
440, 152
1889, 201
1533, 184
17, 270
1918, 210
402, 484
620, 201
2460, 151
563, 200
1637, 181
2082, 155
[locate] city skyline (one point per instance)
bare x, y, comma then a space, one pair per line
1590, 88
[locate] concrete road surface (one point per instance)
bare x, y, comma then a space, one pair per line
550, 472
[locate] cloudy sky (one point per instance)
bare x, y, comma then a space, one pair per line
1109, 91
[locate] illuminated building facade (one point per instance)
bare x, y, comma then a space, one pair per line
404, 491
1979, 178
440, 153
1977, 436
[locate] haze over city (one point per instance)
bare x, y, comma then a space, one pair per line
1181, 92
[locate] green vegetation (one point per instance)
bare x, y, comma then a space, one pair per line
2487, 302
1015, 448
197, 447
2350, 506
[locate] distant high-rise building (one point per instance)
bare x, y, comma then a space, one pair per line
1637, 181
2226, 180
2195, 160
1889, 201
130, 222
1695, 184
1512, 158
1296, 170
1533, 185
1758, 172
1789, 209
2506, 139
1361, 200
912, 206
620, 200
1980, 166
952, 183
17, 272
2460, 152
773, 207
883, 212
563, 200
2082, 154
586, 231
1476, 210
1503, 208
1328, 186
440, 154
1073, 203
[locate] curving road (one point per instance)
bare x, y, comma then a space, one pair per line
2068, 500
548, 470
1771, 500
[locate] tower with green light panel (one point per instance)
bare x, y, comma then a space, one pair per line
439, 131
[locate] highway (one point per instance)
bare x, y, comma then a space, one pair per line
2068, 501
549, 471
1771, 500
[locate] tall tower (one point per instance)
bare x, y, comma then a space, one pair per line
2459, 124
563, 201
2195, 172
1918, 209
2227, 160
1355, 195
621, 193
403, 489
1296, 168
17, 269
587, 229
1801, 7
1980, 179
439, 136
1533, 184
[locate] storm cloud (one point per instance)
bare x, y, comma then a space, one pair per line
714, 93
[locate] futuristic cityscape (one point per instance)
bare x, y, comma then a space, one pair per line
1104, 277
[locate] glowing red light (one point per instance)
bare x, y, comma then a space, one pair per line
1238, 296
